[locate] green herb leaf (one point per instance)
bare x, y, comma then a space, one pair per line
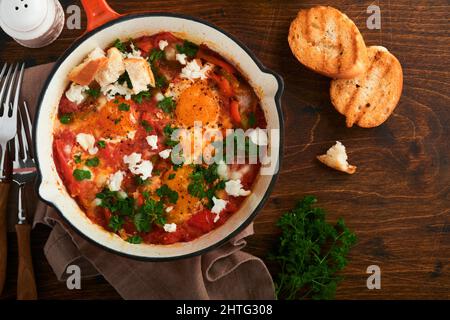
120, 46
135, 239
95, 93
310, 253
124, 107
81, 175
167, 104
125, 78
146, 125
165, 191
101, 144
93, 162
188, 48
155, 55
66, 118
140, 96
251, 119
116, 223
171, 176
77, 158
115, 203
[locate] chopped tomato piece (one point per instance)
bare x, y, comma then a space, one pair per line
67, 106
211, 58
224, 85
203, 221
234, 111
167, 36
145, 44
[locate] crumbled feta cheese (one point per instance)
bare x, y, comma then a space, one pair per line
170, 227
144, 169
132, 118
97, 202
67, 149
234, 188
87, 142
111, 90
131, 134
181, 58
152, 141
219, 205
168, 209
138, 166
192, 70
132, 159
135, 53
159, 96
165, 153
76, 93
163, 44
258, 136
222, 170
115, 181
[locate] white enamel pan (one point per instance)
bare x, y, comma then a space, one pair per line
104, 26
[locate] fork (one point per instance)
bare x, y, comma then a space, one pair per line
8, 128
24, 171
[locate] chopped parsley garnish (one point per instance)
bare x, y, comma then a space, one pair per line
125, 78
205, 181
188, 48
140, 96
251, 119
160, 80
81, 175
116, 223
116, 121
66, 118
155, 55
115, 203
77, 158
101, 144
134, 239
141, 182
167, 104
151, 211
310, 253
165, 192
95, 93
171, 176
124, 107
120, 46
92, 162
146, 125
168, 130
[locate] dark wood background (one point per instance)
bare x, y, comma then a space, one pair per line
398, 202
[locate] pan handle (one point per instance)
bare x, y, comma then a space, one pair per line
98, 12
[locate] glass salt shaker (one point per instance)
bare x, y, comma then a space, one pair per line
32, 23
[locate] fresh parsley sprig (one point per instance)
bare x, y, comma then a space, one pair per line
310, 253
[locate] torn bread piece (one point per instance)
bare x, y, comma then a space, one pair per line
112, 69
370, 98
326, 41
84, 73
336, 158
140, 74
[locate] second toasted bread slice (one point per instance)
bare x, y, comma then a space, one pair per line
328, 42
369, 99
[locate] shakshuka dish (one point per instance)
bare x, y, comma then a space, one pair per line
113, 141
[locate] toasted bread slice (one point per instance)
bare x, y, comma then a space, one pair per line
336, 158
111, 70
140, 73
369, 99
326, 41
84, 73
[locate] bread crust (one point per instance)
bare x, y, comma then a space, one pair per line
84, 73
326, 41
370, 98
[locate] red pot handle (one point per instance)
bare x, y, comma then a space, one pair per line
98, 12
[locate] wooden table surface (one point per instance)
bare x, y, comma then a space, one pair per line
398, 202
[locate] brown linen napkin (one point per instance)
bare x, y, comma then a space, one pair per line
224, 273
